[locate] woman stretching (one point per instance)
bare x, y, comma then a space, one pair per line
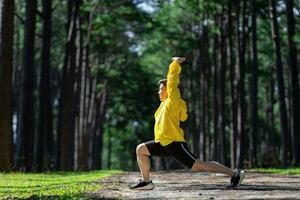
169, 137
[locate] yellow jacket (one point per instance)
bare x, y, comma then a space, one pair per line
171, 111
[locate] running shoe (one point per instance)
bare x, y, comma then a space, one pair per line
237, 179
142, 185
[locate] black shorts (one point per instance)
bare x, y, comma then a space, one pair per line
179, 150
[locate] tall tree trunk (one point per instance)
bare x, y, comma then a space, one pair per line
233, 134
79, 84
199, 94
285, 136
27, 112
241, 43
98, 132
45, 128
87, 97
6, 65
202, 94
215, 94
253, 93
17, 90
270, 119
221, 93
91, 122
91, 116
82, 88
237, 81
206, 73
292, 53
109, 150
67, 101
101, 104
194, 130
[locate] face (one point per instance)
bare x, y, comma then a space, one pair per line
162, 92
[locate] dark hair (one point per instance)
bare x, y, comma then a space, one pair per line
163, 81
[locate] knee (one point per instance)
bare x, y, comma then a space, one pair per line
140, 149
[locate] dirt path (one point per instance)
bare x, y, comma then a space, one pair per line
193, 185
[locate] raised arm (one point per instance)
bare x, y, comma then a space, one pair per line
173, 81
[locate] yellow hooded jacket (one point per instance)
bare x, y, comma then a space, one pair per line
171, 111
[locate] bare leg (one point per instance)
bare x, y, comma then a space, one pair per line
143, 160
212, 166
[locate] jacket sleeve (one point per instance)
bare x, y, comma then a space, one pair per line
173, 81
183, 112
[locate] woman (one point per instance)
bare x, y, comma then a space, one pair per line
169, 137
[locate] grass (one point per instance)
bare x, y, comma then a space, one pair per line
288, 171
58, 185
72, 185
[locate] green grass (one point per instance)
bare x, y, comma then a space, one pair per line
288, 171
59, 185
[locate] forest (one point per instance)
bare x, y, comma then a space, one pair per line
79, 81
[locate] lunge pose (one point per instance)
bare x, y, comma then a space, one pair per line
169, 137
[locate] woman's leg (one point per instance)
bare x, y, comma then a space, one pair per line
143, 161
212, 166
182, 153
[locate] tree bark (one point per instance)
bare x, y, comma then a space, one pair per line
82, 101
294, 84
233, 134
285, 136
79, 84
241, 43
253, 92
199, 96
194, 129
109, 150
98, 131
17, 83
67, 101
45, 128
27, 112
221, 93
202, 93
270, 118
6, 65
87, 97
206, 87
215, 94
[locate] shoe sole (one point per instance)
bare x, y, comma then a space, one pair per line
147, 187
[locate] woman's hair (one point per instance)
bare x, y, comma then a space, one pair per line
162, 81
